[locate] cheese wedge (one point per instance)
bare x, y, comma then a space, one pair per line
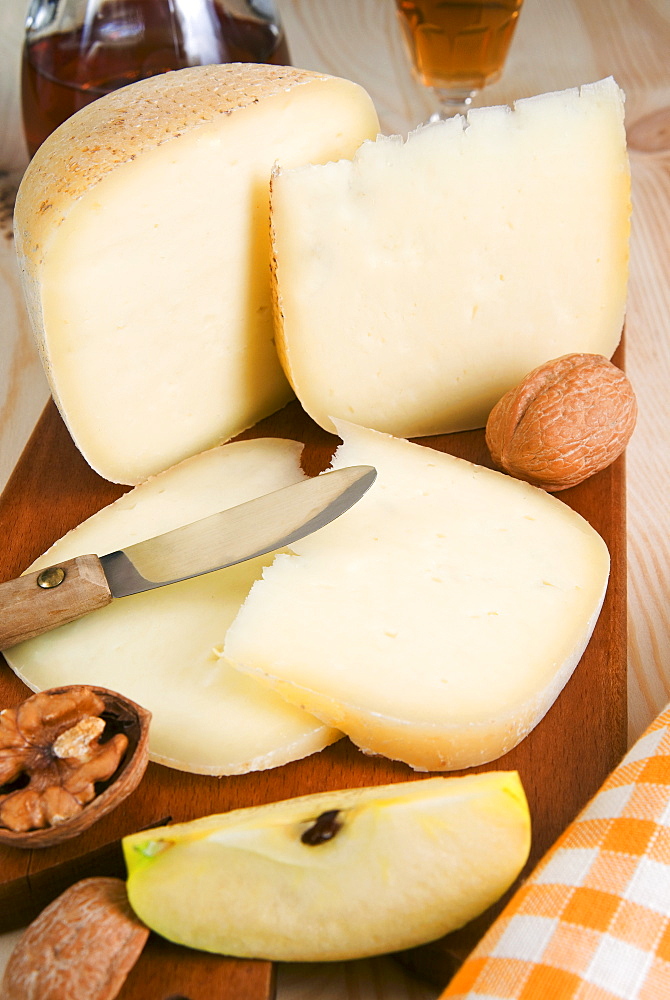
142, 233
418, 283
163, 648
438, 619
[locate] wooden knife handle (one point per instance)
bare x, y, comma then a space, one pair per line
38, 602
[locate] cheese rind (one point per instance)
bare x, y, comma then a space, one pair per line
142, 232
163, 648
438, 619
418, 283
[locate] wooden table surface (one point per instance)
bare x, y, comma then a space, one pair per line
558, 44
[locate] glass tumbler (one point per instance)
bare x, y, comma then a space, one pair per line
77, 50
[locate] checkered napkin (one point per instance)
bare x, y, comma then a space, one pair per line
592, 922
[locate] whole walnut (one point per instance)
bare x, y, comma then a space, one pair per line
81, 947
566, 420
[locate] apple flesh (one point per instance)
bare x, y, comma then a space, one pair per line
337, 875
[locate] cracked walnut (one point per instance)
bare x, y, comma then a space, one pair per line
51, 757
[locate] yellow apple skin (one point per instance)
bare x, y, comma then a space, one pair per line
388, 868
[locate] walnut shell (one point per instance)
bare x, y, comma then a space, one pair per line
31, 761
82, 946
565, 421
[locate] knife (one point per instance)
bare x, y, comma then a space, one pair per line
43, 600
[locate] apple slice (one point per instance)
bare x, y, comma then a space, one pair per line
337, 875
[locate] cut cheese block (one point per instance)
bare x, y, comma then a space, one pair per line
142, 233
418, 283
163, 648
438, 619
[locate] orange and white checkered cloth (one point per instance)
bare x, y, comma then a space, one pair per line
592, 922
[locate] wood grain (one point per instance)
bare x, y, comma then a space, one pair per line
30, 610
23, 387
13, 152
562, 762
556, 45
167, 972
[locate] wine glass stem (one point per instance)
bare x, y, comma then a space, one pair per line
451, 102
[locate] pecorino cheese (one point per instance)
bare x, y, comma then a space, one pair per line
142, 232
163, 648
437, 620
419, 282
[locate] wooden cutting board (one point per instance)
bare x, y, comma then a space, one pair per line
562, 762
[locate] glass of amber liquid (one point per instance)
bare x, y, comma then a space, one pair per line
457, 46
77, 50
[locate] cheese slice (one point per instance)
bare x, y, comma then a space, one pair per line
438, 619
142, 232
418, 283
163, 648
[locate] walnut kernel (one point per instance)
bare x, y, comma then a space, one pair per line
65, 760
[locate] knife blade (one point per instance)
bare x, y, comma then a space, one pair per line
40, 601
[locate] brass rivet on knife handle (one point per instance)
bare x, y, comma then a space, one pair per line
28, 608
51, 577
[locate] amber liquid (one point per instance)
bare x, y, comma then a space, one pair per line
60, 74
460, 45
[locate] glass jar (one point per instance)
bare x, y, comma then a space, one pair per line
76, 50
